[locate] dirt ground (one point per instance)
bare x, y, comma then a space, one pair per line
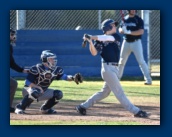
100, 112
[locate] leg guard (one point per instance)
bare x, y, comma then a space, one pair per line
23, 104
34, 93
58, 94
46, 108
26, 101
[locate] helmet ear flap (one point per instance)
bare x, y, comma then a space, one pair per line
43, 59
106, 28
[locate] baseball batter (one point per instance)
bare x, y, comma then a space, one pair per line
107, 46
39, 79
133, 28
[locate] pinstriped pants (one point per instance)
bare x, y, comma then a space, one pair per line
110, 76
136, 48
48, 94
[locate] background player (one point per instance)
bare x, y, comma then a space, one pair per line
107, 46
133, 29
39, 79
14, 66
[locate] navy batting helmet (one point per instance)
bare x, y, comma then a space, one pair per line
106, 25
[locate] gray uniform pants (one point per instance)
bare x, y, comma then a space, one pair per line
48, 94
13, 88
136, 48
110, 75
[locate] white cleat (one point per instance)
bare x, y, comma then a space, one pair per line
19, 111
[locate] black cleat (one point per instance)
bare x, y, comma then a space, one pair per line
81, 110
49, 111
148, 83
12, 110
142, 114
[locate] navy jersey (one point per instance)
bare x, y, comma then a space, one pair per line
42, 76
109, 50
133, 24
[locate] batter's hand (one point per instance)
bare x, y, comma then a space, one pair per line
87, 37
121, 30
125, 30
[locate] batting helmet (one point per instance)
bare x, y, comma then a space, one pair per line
46, 54
106, 25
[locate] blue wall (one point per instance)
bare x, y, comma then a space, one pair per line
67, 45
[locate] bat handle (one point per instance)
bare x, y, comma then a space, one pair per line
84, 43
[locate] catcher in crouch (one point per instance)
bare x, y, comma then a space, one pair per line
39, 79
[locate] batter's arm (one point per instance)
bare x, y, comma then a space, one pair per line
137, 32
92, 48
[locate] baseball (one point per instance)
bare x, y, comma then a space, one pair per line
78, 28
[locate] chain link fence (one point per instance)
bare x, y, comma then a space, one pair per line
86, 19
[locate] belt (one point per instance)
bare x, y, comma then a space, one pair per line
111, 63
132, 40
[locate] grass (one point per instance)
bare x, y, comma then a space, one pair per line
135, 90
28, 122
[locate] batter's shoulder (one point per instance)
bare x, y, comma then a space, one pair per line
117, 37
126, 17
138, 17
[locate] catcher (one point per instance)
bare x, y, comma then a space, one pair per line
39, 78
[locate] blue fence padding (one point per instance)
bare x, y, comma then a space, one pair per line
67, 45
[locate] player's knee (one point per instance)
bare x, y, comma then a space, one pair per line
107, 94
58, 94
34, 93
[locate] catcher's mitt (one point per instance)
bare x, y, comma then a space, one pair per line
77, 78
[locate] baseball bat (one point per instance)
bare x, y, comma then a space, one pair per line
122, 16
84, 43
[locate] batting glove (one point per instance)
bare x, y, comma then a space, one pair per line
125, 30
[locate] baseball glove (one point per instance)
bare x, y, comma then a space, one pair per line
77, 78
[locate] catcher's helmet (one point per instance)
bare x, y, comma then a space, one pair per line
106, 25
46, 56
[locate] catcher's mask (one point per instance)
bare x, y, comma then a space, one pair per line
49, 58
106, 25
12, 36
